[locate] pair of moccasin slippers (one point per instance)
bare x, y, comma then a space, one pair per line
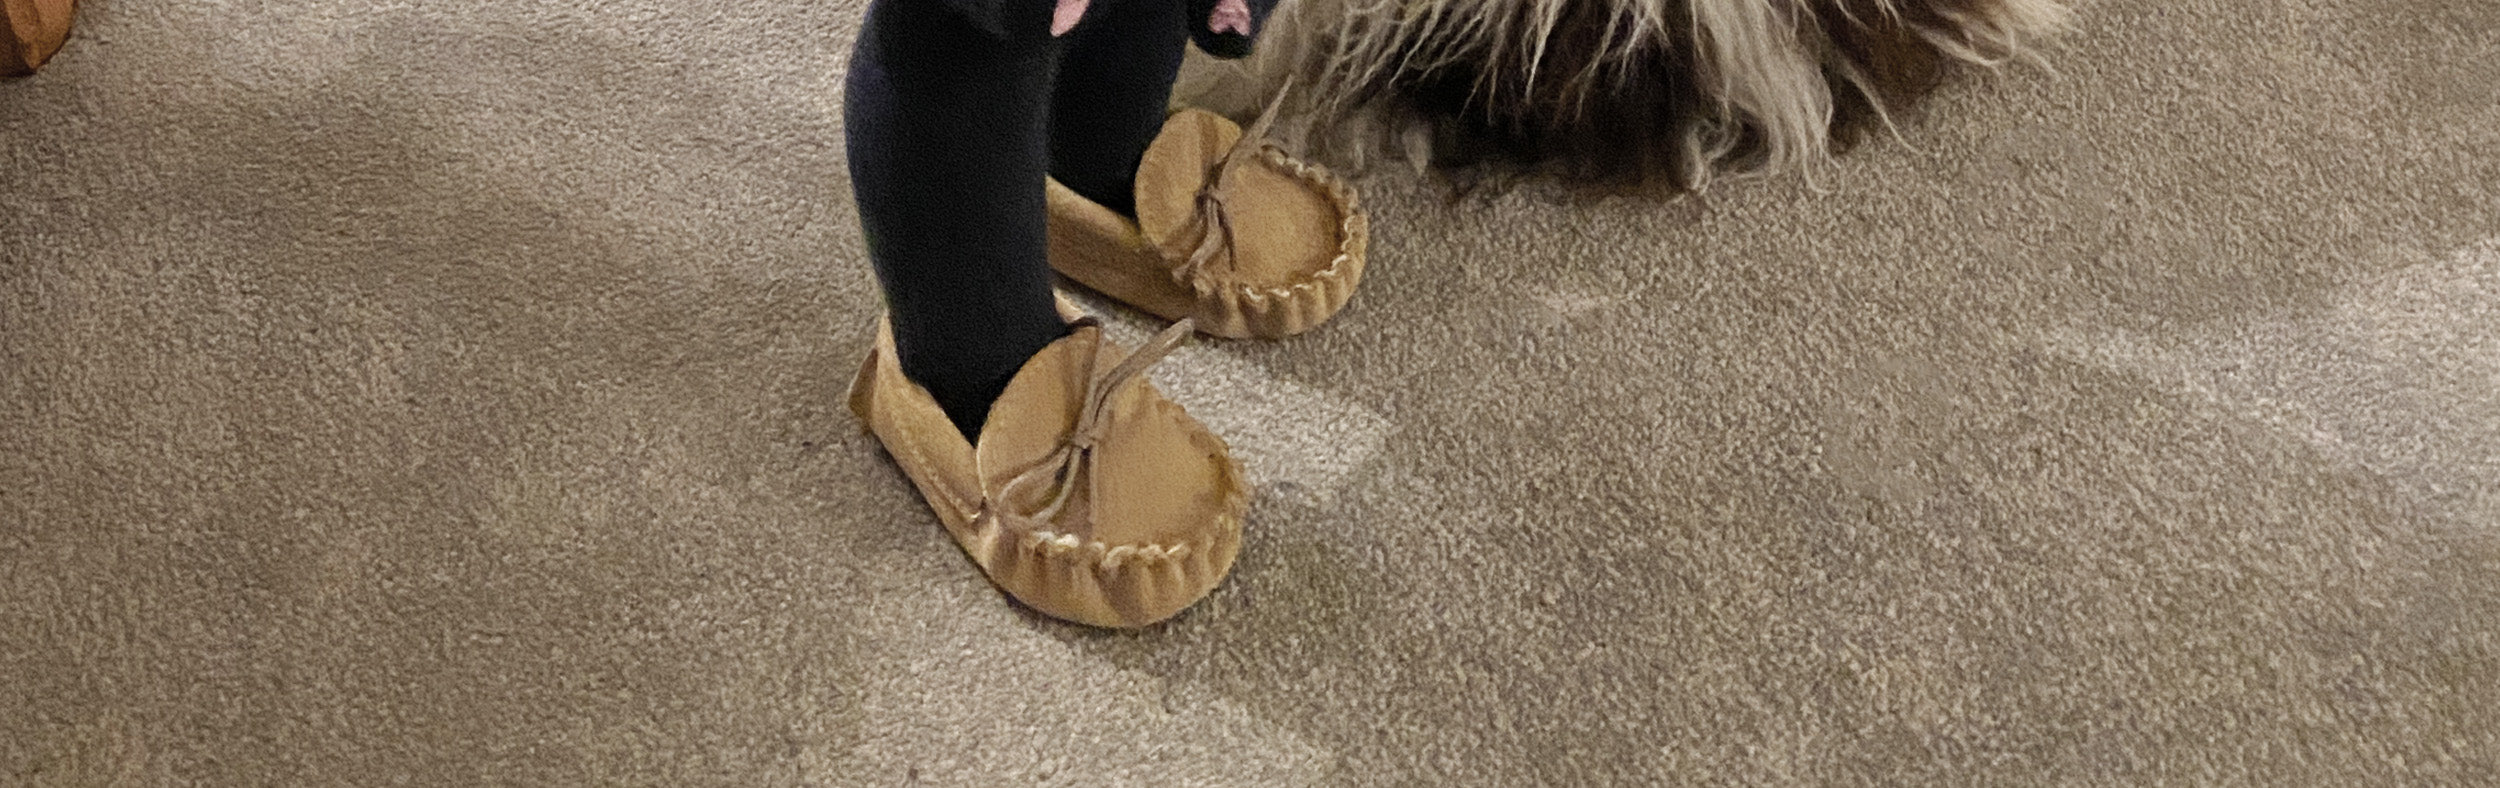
1088, 495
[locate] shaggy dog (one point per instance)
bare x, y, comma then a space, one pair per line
1635, 93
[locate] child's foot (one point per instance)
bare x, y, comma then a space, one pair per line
965, 379
1228, 230
1087, 495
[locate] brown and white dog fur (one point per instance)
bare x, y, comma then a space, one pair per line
1612, 92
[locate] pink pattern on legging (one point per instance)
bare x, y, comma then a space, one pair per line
1230, 16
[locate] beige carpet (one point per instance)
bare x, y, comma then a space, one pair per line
445, 394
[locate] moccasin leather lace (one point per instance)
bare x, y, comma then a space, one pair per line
1214, 217
1075, 456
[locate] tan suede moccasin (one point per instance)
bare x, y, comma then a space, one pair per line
1230, 231
1089, 496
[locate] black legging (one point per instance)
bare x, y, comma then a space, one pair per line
954, 112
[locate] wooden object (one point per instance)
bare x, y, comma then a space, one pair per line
30, 31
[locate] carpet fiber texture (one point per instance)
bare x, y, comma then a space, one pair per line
448, 394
